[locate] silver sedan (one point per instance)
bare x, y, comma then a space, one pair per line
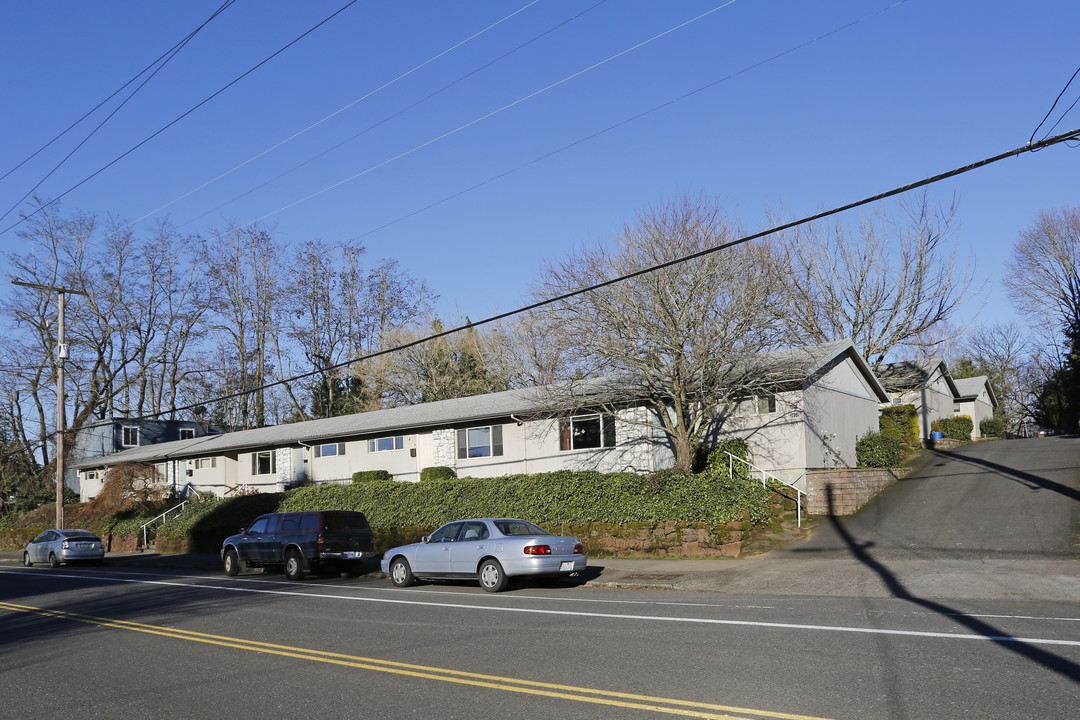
490, 550
64, 546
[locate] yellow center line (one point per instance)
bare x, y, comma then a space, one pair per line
685, 708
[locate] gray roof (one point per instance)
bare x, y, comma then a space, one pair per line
913, 374
410, 417
969, 388
790, 365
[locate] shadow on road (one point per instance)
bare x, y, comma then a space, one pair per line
859, 551
1028, 479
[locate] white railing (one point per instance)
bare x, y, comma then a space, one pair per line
766, 476
175, 508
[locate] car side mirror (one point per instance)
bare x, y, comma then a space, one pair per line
243, 531
425, 539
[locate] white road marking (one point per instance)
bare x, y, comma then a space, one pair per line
573, 613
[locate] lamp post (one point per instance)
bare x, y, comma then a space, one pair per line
61, 356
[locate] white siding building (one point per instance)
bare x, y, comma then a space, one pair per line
822, 399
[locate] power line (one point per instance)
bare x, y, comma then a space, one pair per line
492, 113
627, 121
1054, 105
342, 109
185, 114
167, 57
1030, 147
368, 129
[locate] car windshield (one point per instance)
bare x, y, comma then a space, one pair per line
519, 527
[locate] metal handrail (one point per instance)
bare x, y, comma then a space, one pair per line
766, 476
187, 488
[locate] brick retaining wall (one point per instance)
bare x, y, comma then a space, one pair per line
850, 489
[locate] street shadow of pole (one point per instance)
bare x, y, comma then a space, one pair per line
1028, 479
1049, 660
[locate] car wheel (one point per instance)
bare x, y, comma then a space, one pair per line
294, 565
492, 577
26, 560
54, 562
400, 573
232, 563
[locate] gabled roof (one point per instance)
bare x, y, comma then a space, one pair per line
914, 374
969, 388
791, 365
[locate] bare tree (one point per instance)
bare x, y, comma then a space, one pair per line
533, 352
883, 286
1044, 281
243, 266
1044, 273
677, 340
1003, 352
456, 365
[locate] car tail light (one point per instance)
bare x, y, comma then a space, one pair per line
64, 544
319, 543
578, 550
538, 550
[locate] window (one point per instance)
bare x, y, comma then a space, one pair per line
187, 434
447, 533
587, 431
299, 521
475, 531
330, 450
91, 475
205, 463
263, 463
480, 442
130, 436
261, 525
755, 405
387, 443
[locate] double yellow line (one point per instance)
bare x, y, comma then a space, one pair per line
683, 708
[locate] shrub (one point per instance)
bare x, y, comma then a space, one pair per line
992, 427
365, 476
955, 428
719, 464
437, 472
875, 450
901, 422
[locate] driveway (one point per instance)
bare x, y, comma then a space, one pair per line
987, 520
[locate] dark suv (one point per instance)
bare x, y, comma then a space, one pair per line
301, 542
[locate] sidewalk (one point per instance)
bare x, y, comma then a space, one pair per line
772, 574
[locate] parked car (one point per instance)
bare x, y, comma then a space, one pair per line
64, 546
301, 542
490, 550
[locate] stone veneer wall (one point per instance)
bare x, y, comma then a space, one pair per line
850, 489
444, 447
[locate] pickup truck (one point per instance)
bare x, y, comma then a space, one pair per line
301, 542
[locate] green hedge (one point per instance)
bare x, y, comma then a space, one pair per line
992, 427
549, 497
437, 472
877, 450
403, 511
901, 423
365, 476
955, 428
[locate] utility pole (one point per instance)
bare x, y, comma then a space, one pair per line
61, 356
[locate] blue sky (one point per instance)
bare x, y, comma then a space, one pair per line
761, 104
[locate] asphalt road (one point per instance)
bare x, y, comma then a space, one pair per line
135, 642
